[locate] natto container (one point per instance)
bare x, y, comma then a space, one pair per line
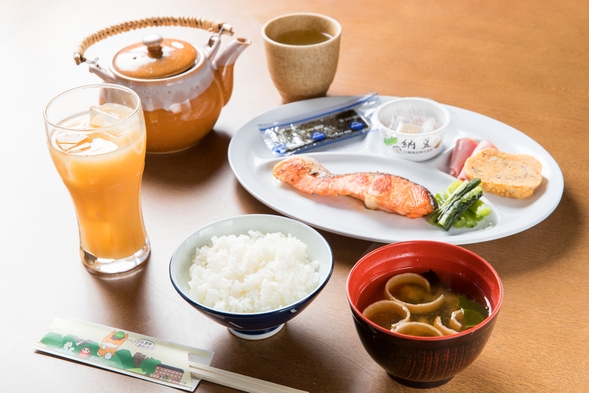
411, 128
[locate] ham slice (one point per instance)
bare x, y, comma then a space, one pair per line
462, 150
480, 147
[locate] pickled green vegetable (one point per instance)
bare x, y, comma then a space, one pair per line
480, 210
460, 205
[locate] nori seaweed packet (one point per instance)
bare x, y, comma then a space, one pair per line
311, 130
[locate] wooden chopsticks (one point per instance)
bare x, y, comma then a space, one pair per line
237, 381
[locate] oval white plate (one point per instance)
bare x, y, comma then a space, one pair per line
252, 163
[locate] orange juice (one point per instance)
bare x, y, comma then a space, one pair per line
102, 168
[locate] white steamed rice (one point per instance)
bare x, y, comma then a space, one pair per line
252, 273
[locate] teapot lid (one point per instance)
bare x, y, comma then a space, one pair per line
155, 58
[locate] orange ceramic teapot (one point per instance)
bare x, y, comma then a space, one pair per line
182, 88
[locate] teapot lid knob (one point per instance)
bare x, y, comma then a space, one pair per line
155, 57
153, 42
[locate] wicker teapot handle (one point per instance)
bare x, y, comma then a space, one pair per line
199, 23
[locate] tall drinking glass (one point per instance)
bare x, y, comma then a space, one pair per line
96, 138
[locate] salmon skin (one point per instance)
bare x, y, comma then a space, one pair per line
378, 191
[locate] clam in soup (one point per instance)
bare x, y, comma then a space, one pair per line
422, 305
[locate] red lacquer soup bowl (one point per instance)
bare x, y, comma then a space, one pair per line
418, 361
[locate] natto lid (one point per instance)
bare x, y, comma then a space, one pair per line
155, 58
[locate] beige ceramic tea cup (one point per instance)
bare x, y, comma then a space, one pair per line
302, 51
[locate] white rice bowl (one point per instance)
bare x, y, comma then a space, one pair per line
252, 273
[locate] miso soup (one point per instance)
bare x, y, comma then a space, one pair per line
464, 299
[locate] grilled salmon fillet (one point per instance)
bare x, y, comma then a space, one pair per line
378, 191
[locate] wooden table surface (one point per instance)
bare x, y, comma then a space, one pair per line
524, 63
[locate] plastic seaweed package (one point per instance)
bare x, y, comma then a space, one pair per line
311, 130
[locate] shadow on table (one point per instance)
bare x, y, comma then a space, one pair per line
123, 301
289, 358
539, 247
190, 167
249, 204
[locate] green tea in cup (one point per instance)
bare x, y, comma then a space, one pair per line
303, 37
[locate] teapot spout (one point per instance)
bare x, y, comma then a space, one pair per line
104, 74
225, 62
